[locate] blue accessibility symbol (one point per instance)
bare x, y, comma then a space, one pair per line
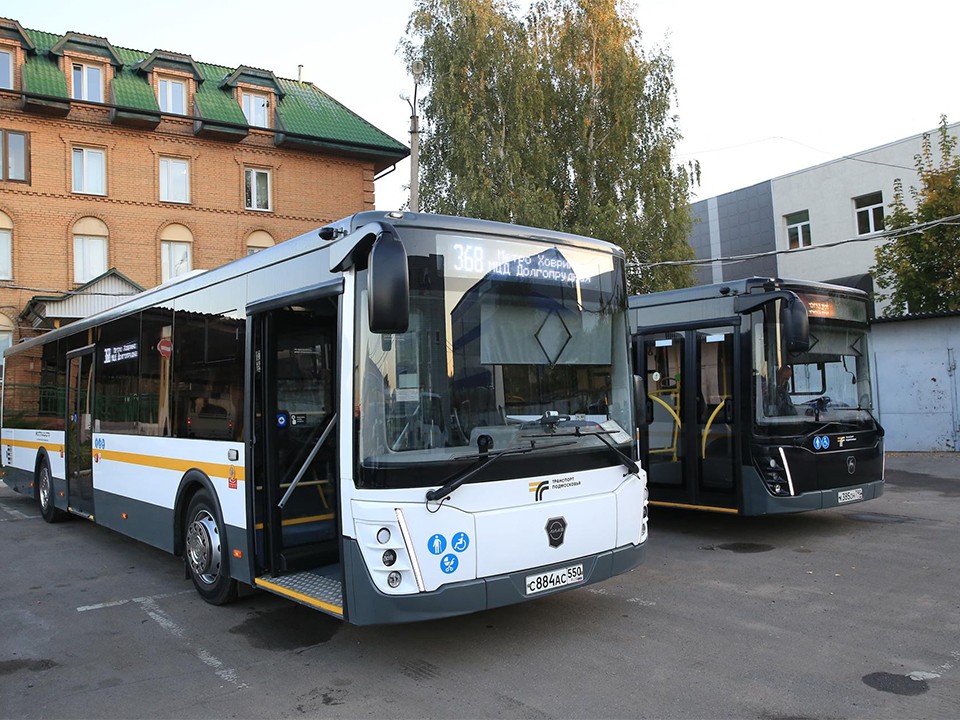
816, 443
460, 542
437, 544
825, 442
282, 420
449, 563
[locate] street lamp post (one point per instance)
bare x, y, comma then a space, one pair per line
417, 69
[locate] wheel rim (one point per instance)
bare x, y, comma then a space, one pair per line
45, 490
203, 547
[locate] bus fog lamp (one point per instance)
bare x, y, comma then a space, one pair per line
383, 536
393, 579
389, 557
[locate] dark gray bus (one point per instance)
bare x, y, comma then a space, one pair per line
758, 397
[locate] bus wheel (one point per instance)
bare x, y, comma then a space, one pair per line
44, 484
203, 540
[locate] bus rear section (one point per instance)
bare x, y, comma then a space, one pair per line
759, 397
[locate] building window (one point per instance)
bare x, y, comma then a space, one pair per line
6, 247
256, 189
798, 229
176, 251
14, 156
255, 109
87, 82
6, 70
869, 213
259, 240
174, 180
173, 96
89, 171
89, 249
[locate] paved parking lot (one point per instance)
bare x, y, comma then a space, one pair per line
853, 612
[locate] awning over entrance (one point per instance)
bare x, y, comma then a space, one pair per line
101, 293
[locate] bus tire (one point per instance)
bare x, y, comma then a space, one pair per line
203, 543
43, 482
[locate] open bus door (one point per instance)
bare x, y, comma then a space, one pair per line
79, 432
296, 502
688, 440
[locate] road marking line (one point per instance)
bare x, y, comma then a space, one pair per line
116, 603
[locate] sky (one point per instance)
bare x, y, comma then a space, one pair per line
763, 88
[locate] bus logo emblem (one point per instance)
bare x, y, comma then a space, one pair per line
556, 528
851, 465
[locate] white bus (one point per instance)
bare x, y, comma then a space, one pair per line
397, 417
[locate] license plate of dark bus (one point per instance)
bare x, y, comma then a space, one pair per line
553, 579
845, 496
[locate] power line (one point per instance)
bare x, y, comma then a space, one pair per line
953, 220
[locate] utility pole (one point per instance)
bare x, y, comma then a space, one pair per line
417, 70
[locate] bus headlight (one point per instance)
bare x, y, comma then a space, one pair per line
389, 558
772, 470
393, 579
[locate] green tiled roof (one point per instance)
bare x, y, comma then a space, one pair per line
303, 112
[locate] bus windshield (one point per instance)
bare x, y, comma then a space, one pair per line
830, 382
516, 340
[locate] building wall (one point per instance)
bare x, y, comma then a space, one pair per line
308, 191
735, 223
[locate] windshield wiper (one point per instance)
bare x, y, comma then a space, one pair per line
484, 460
601, 434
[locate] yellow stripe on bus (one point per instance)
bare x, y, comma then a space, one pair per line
178, 464
684, 506
294, 595
30, 444
301, 520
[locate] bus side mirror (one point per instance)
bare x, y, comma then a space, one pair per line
388, 286
796, 325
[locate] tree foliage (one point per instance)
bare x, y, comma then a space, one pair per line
919, 271
558, 120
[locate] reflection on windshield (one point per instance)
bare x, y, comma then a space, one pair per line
501, 333
831, 381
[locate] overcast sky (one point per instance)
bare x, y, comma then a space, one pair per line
763, 88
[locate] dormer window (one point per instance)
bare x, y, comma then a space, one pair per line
6, 70
172, 96
87, 82
256, 109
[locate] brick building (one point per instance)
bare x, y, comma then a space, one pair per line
121, 169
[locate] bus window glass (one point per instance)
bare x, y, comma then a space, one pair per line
117, 376
156, 342
501, 332
830, 381
207, 369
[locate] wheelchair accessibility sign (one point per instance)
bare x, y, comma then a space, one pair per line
821, 442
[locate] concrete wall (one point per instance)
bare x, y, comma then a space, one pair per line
915, 382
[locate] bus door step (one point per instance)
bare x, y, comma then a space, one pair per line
310, 588
309, 555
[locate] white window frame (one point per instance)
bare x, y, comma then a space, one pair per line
869, 211
9, 68
249, 181
89, 257
169, 90
803, 230
168, 258
84, 181
256, 108
82, 90
6, 254
172, 188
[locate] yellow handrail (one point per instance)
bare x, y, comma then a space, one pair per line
706, 429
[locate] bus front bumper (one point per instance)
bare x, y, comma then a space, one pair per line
366, 605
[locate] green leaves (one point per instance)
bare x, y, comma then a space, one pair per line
919, 271
556, 120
